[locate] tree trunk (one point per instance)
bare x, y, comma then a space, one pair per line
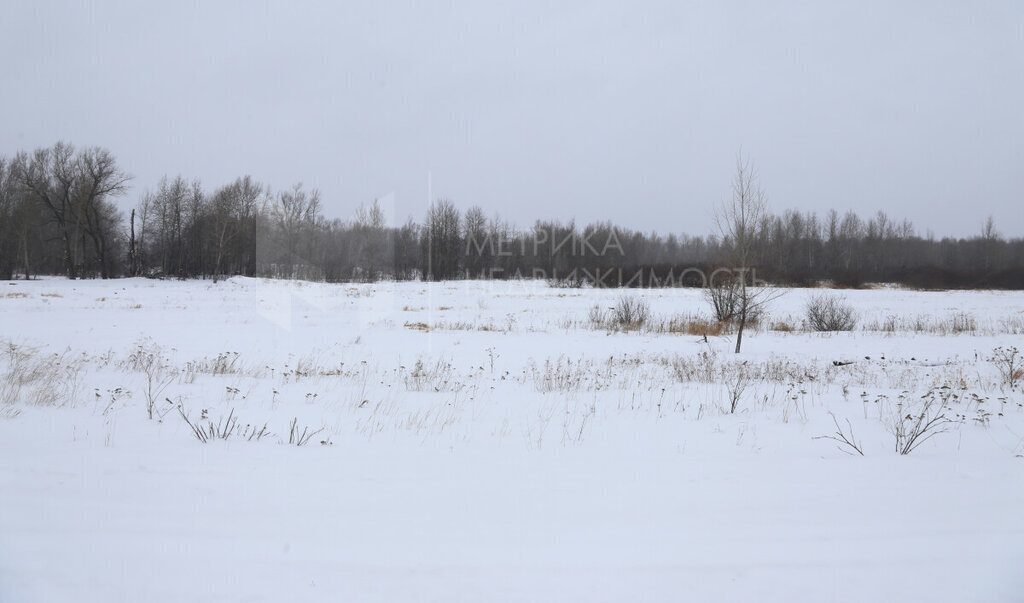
744, 308
24, 249
69, 261
132, 249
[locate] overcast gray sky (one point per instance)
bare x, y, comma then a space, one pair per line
589, 110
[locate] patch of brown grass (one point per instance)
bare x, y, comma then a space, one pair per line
782, 326
695, 326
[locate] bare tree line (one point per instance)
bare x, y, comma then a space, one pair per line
60, 202
59, 214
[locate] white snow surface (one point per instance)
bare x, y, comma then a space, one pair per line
482, 442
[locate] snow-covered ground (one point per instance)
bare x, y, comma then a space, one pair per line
484, 442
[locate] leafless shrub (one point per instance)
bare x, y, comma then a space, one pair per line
1010, 364
149, 360
914, 426
723, 293
844, 439
736, 384
631, 312
598, 317
829, 312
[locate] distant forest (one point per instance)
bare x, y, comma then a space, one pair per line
58, 216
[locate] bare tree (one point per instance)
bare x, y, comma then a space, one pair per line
144, 212
297, 215
48, 178
722, 292
101, 181
228, 208
8, 222
407, 254
253, 223
76, 190
168, 206
738, 221
474, 230
441, 241
989, 243
369, 248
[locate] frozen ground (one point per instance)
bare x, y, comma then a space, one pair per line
484, 442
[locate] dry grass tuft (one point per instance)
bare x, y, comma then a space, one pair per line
782, 326
688, 325
39, 379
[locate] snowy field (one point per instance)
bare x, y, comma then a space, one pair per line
488, 442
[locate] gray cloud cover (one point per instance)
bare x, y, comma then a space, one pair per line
590, 110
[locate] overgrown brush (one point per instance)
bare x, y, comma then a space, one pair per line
953, 324
708, 367
633, 314
1010, 365
829, 312
564, 375
629, 313
723, 294
436, 377
150, 361
224, 363
689, 325
37, 379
